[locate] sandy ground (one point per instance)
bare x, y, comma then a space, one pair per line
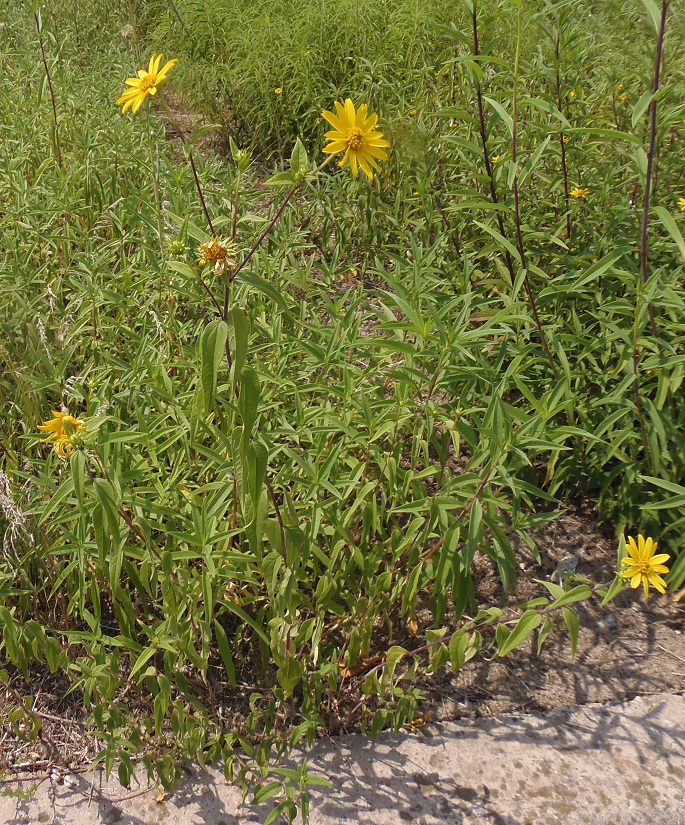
619, 764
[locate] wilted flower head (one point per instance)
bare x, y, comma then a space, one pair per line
354, 133
61, 429
643, 566
145, 84
217, 254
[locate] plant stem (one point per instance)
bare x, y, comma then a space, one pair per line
39, 29
155, 186
484, 142
274, 220
562, 138
236, 201
636, 370
650, 152
517, 211
189, 152
270, 226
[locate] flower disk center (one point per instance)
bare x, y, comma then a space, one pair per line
148, 82
355, 138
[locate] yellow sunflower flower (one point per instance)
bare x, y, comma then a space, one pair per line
354, 133
217, 254
681, 204
642, 565
581, 194
145, 84
61, 428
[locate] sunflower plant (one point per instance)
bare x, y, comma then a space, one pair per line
315, 410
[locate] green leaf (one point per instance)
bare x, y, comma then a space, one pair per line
653, 14
524, 627
78, 473
182, 268
534, 158
617, 585
544, 632
239, 333
502, 112
606, 134
290, 675
248, 402
641, 107
59, 496
511, 249
225, 651
672, 228
200, 132
281, 179
263, 793
299, 161
142, 660
597, 269
577, 594
571, 619
110, 508
212, 353
264, 287
241, 614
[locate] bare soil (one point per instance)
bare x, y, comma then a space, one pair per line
629, 648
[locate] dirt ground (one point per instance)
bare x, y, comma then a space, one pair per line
628, 649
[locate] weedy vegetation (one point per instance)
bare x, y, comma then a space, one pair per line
299, 403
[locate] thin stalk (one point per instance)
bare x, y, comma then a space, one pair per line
189, 151
517, 211
269, 227
274, 220
636, 371
484, 143
652, 146
236, 202
562, 137
39, 29
154, 170
234, 229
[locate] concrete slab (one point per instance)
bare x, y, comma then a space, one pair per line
621, 764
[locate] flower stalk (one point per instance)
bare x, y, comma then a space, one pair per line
652, 146
39, 29
193, 167
517, 210
484, 141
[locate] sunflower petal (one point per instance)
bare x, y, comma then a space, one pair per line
350, 113
168, 66
658, 582
365, 166
334, 120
